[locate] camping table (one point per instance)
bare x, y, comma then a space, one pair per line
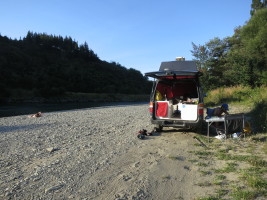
210, 121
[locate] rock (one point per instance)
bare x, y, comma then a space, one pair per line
57, 187
8, 194
51, 149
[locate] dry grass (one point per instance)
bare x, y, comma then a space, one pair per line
237, 94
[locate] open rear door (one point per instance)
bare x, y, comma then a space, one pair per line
176, 70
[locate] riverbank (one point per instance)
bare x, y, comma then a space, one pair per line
27, 105
94, 153
70, 97
15, 109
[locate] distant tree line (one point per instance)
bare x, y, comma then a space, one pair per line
48, 65
237, 60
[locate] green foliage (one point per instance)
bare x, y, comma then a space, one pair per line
211, 59
49, 66
257, 5
249, 57
237, 60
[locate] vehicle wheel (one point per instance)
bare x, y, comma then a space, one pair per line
158, 128
199, 128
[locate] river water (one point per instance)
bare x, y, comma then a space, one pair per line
14, 109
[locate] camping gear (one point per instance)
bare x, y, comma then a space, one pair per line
233, 123
225, 106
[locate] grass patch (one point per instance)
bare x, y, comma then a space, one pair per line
254, 181
221, 193
237, 94
219, 179
203, 153
257, 162
264, 148
204, 184
251, 149
202, 164
242, 194
205, 173
255, 170
253, 160
202, 138
231, 167
223, 151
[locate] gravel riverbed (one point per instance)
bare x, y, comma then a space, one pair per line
94, 153
41, 157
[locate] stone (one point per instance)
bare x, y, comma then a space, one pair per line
57, 187
51, 149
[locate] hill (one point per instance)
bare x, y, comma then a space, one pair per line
43, 65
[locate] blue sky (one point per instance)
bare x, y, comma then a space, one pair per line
138, 34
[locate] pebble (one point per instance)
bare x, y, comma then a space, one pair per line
57, 187
50, 149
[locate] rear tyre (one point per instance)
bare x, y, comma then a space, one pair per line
199, 128
158, 128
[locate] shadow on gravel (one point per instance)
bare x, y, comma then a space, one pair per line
172, 130
6, 129
156, 134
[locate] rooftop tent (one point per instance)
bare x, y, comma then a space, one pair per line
178, 66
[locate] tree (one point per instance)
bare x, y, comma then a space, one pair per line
256, 5
248, 54
49, 65
211, 62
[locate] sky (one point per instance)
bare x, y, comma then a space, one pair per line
137, 34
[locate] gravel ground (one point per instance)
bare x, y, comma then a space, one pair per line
40, 157
95, 154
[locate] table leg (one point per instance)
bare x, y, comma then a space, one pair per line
208, 132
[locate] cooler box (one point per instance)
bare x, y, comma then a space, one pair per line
188, 112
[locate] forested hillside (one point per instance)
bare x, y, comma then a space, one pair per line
240, 59
46, 66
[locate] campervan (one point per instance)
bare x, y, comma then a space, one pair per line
177, 98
